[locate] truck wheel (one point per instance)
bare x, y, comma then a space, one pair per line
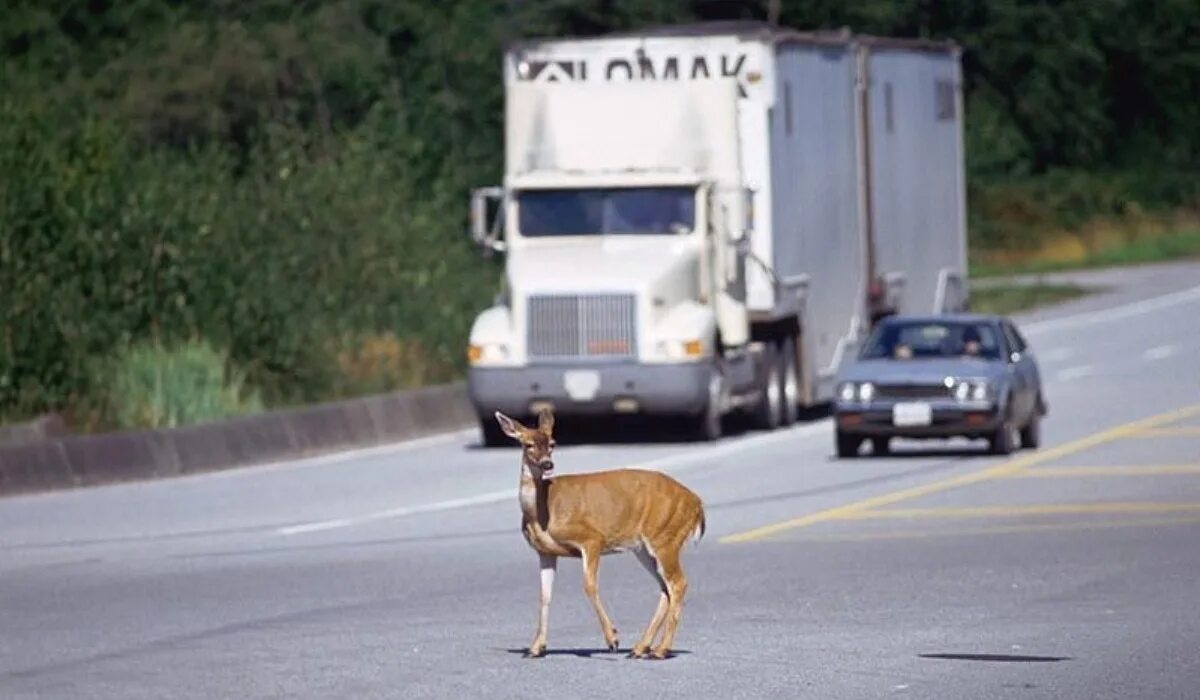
768, 413
847, 445
491, 433
707, 426
790, 377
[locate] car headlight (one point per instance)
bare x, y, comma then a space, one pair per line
972, 390
856, 391
487, 352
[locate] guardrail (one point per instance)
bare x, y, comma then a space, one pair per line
89, 460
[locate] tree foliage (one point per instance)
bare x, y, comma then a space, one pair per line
285, 179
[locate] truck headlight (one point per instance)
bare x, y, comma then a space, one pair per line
681, 349
487, 352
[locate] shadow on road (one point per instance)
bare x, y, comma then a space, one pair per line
641, 430
1002, 658
599, 654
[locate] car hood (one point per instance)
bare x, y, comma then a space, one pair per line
930, 371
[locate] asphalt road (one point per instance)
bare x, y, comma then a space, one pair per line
399, 572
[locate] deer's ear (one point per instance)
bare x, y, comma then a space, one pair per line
546, 421
510, 427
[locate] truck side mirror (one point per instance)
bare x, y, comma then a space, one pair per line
487, 216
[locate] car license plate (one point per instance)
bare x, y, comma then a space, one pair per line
909, 414
581, 384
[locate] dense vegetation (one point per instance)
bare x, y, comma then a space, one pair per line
285, 180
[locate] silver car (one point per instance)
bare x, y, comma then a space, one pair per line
968, 375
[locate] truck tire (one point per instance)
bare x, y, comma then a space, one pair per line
847, 445
491, 434
790, 380
706, 426
768, 412
881, 446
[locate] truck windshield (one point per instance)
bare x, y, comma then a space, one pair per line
624, 210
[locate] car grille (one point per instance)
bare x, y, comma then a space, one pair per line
575, 326
912, 391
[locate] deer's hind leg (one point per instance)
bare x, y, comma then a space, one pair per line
676, 583
648, 560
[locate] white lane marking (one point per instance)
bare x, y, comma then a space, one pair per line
1115, 313
1077, 372
320, 525
674, 463
1161, 352
1057, 354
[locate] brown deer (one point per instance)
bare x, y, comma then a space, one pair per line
590, 515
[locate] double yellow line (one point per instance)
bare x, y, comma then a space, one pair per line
1006, 469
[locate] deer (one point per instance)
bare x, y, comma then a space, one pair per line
589, 515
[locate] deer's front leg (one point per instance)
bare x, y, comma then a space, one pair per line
549, 564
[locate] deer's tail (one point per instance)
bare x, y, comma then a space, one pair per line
699, 532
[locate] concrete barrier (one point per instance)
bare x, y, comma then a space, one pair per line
87, 460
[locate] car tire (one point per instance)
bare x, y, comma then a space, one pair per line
1003, 439
1031, 434
881, 446
768, 412
847, 445
789, 377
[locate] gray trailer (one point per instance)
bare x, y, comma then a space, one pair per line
708, 218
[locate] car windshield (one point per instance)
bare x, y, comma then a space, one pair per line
625, 210
905, 340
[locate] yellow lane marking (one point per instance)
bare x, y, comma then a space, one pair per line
1018, 511
1071, 472
994, 530
1180, 431
1000, 470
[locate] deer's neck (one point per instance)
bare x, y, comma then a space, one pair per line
533, 495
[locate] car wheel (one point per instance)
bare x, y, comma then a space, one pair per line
768, 413
707, 425
847, 445
881, 446
790, 376
1003, 440
1031, 434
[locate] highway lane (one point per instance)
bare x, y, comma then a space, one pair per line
399, 571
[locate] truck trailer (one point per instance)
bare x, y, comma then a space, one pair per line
703, 219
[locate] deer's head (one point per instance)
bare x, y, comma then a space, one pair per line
537, 444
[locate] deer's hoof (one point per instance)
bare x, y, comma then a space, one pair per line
613, 644
638, 652
660, 654
535, 651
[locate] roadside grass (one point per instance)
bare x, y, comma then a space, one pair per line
1176, 246
1014, 298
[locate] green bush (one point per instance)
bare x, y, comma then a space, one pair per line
152, 385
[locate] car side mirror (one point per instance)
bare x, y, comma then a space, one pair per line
1014, 358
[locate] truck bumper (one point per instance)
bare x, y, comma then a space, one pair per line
660, 389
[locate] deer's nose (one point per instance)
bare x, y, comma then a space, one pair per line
546, 464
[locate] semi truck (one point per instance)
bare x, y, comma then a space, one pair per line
704, 219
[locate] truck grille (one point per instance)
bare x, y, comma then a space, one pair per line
574, 326
912, 391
